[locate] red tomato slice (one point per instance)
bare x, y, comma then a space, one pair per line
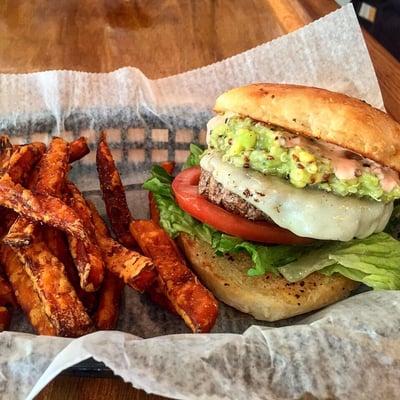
185, 188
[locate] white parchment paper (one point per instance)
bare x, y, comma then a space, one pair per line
349, 350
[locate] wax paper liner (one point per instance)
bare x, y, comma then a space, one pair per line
348, 350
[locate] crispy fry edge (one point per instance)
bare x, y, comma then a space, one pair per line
113, 194
193, 302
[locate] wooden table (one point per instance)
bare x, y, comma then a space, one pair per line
161, 37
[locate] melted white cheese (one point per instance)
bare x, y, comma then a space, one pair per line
306, 212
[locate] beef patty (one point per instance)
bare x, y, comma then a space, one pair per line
217, 194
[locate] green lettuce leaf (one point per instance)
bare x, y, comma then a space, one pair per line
374, 261
265, 258
194, 156
175, 221
172, 219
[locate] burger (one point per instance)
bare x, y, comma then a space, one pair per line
287, 209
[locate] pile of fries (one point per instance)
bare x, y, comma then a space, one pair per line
58, 260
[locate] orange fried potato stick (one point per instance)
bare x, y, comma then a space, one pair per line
6, 300
50, 173
154, 213
21, 163
47, 179
6, 151
118, 211
60, 302
78, 149
40, 208
113, 194
5, 318
157, 295
192, 301
6, 293
25, 293
89, 261
58, 245
24, 159
20, 233
134, 269
157, 292
107, 312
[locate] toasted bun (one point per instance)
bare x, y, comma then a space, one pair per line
267, 298
332, 117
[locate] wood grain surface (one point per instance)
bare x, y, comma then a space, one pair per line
80, 388
161, 37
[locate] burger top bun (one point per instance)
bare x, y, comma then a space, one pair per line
331, 117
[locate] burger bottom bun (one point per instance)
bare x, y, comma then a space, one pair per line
268, 297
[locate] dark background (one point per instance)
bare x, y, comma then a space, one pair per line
386, 26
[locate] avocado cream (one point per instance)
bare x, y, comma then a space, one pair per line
303, 161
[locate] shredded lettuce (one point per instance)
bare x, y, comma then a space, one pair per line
374, 261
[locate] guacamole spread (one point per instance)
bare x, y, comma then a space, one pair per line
270, 150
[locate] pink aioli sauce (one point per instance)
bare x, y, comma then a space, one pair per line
346, 164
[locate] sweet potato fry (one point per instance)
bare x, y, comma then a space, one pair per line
5, 318
157, 295
47, 179
88, 259
40, 208
107, 312
6, 301
192, 301
58, 245
25, 293
7, 218
20, 233
156, 291
60, 302
21, 164
6, 151
78, 149
23, 160
113, 194
6, 293
154, 213
134, 269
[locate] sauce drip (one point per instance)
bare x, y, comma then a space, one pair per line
346, 164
